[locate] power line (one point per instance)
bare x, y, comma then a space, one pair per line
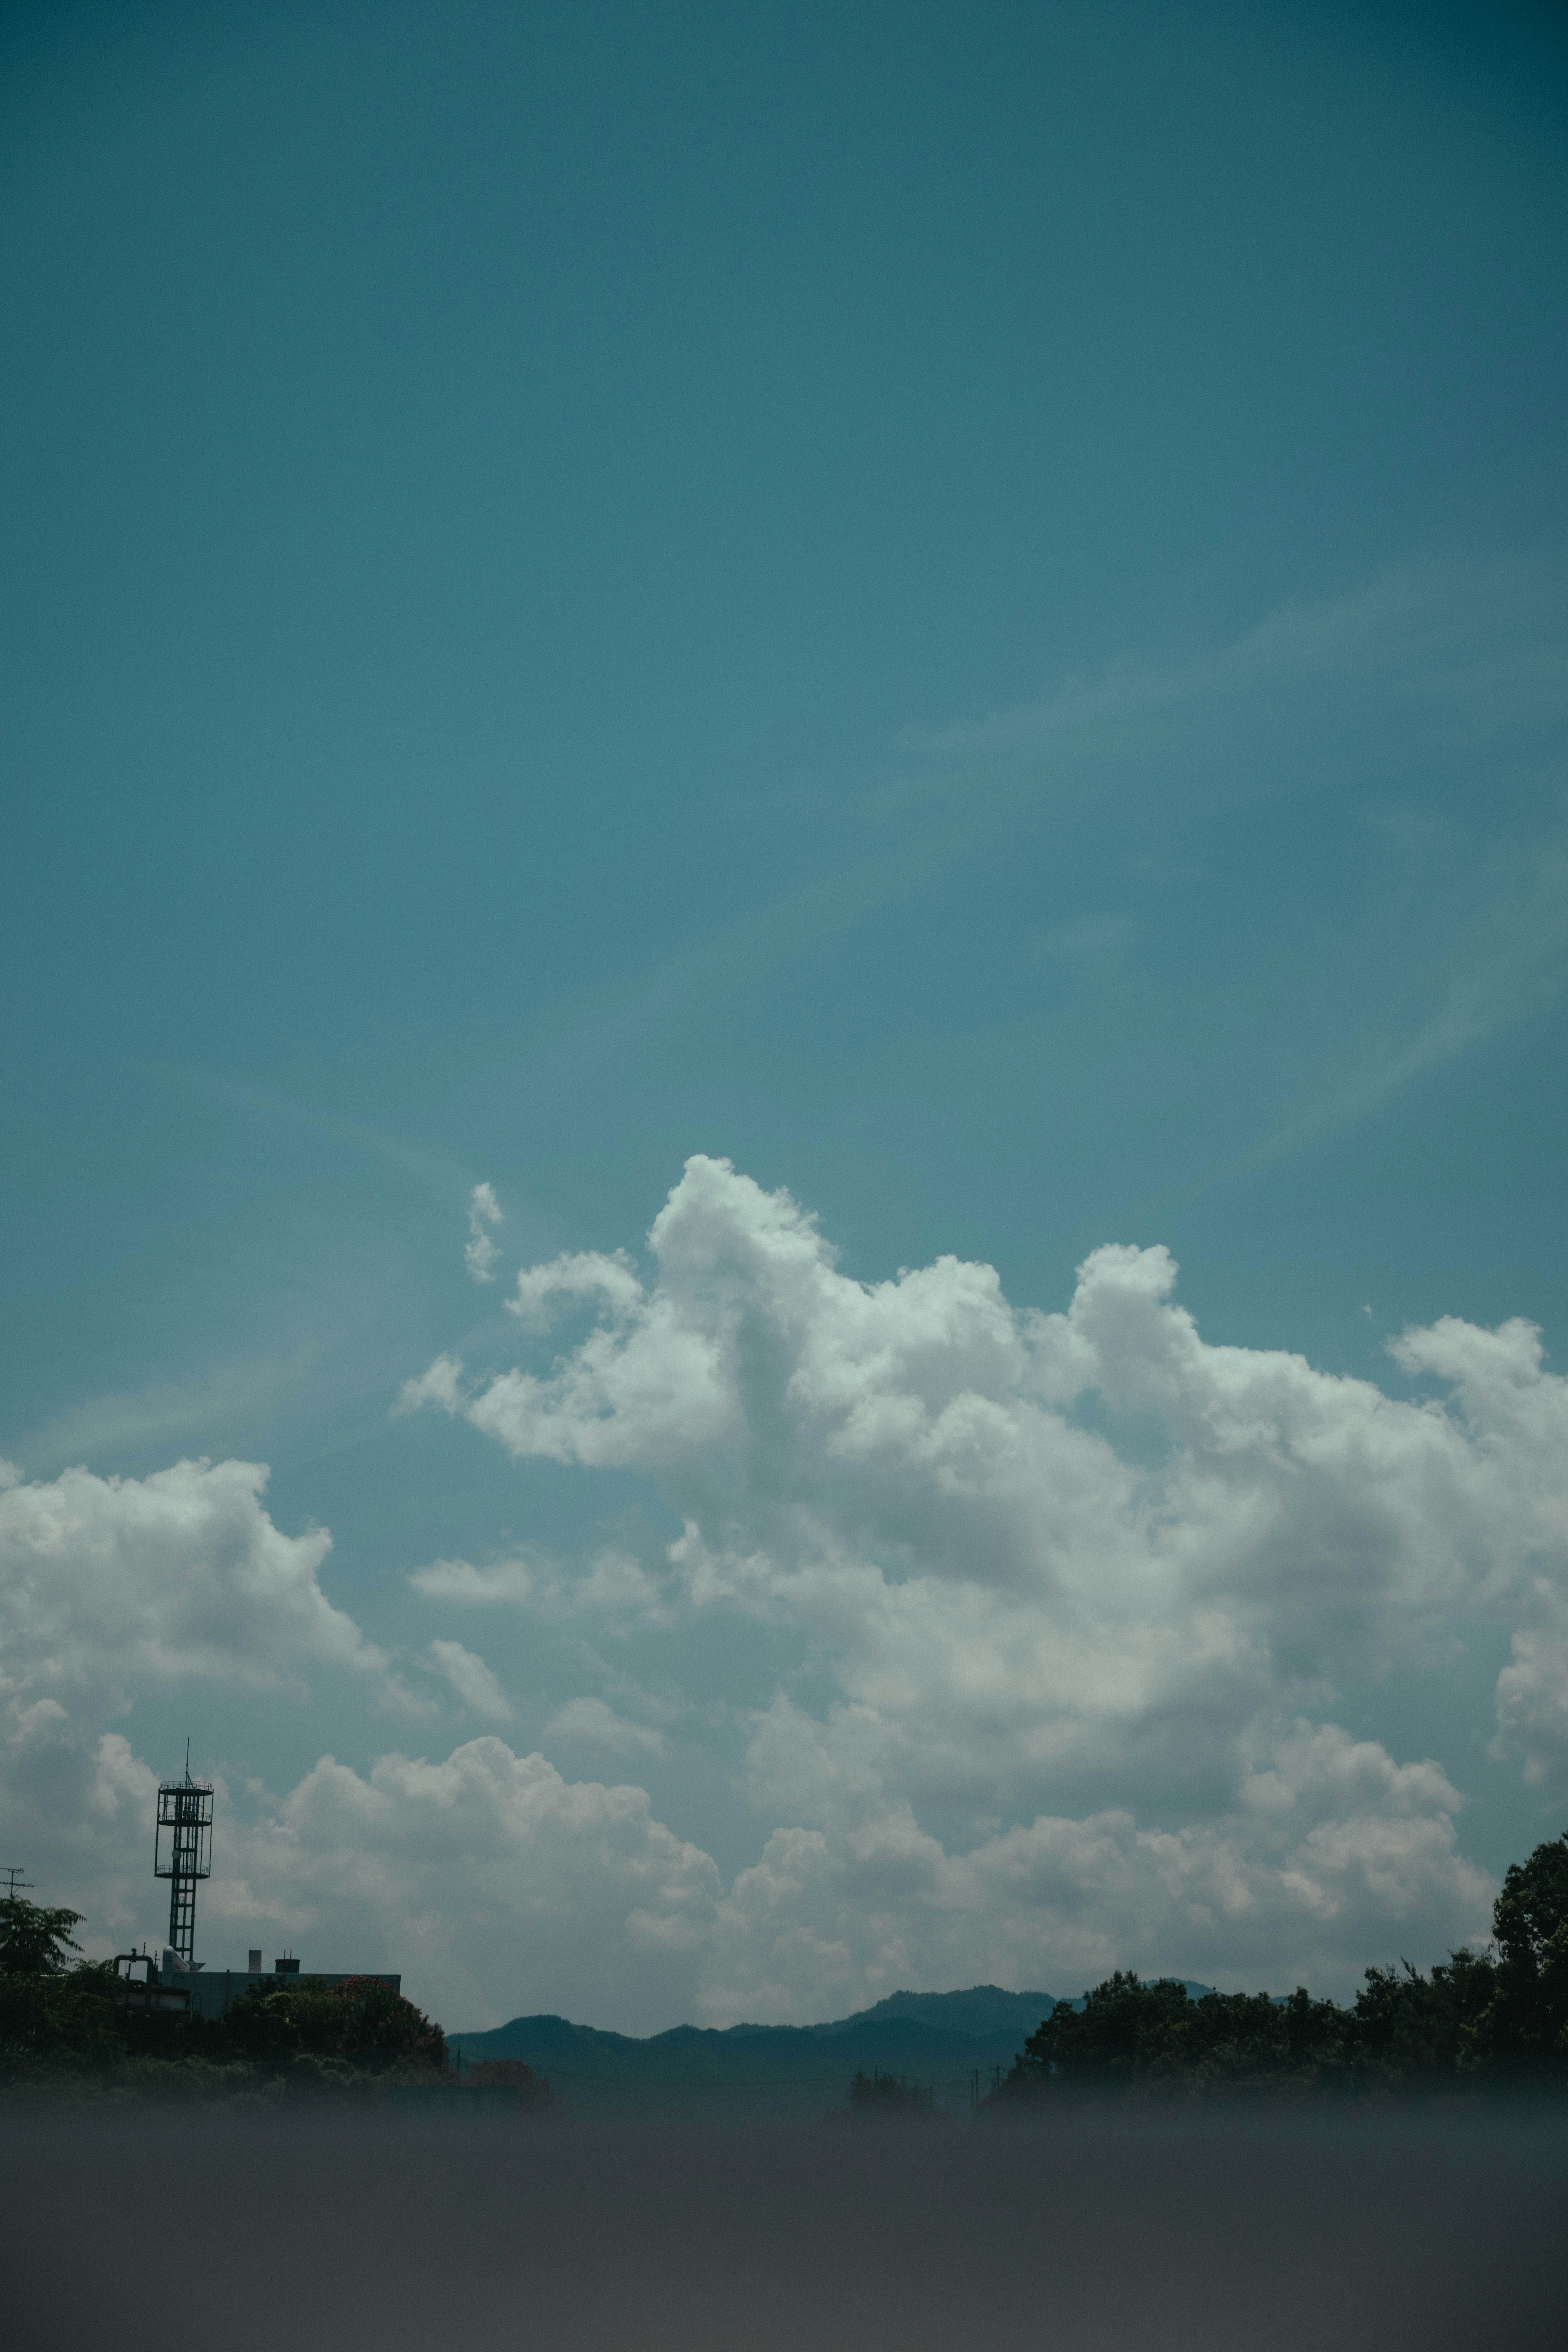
11, 1872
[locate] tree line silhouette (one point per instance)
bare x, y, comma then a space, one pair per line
1490, 2019
69, 2024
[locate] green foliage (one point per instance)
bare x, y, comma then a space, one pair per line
1411, 2030
176, 2075
1477, 2020
1525, 2030
1531, 1912
34, 1942
58, 2023
362, 2025
1152, 2039
67, 2024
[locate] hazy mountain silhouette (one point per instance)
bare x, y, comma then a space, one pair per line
946, 2040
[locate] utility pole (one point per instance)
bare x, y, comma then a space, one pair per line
12, 1872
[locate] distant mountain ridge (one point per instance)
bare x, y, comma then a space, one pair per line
984, 2008
950, 2041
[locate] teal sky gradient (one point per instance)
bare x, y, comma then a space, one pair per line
961, 605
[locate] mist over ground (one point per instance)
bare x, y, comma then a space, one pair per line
1242, 2231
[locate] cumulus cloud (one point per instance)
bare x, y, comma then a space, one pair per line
113, 1584
1063, 1635
610, 1281
77, 1805
482, 1251
473, 1681
439, 1384
111, 1589
1082, 1579
498, 1886
1327, 1845
1532, 1698
489, 1881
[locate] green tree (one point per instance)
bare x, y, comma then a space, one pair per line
1130, 2040
1525, 2033
1414, 2030
34, 1941
362, 2025
1124, 2032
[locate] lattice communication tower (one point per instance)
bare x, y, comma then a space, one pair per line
185, 1810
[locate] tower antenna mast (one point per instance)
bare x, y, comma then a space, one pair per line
185, 1810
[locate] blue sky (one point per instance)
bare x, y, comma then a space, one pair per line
962, 608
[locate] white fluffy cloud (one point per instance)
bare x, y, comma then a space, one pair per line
76, 1805
489, 1881
112, 1584
115, 1588
1070, 1623
1533, 1697
1085, 1586
1326, 1845
610, 1281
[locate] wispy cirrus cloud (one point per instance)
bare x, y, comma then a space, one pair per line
1510, 964
168, 1412
1450, 670
1479, 647
1432, 676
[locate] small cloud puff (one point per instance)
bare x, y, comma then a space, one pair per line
437, 1385
459, 1580
611, 1280
480, 1255
472, 1680
592, 1724
613, 1581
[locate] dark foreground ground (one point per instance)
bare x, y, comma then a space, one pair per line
287, 2236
